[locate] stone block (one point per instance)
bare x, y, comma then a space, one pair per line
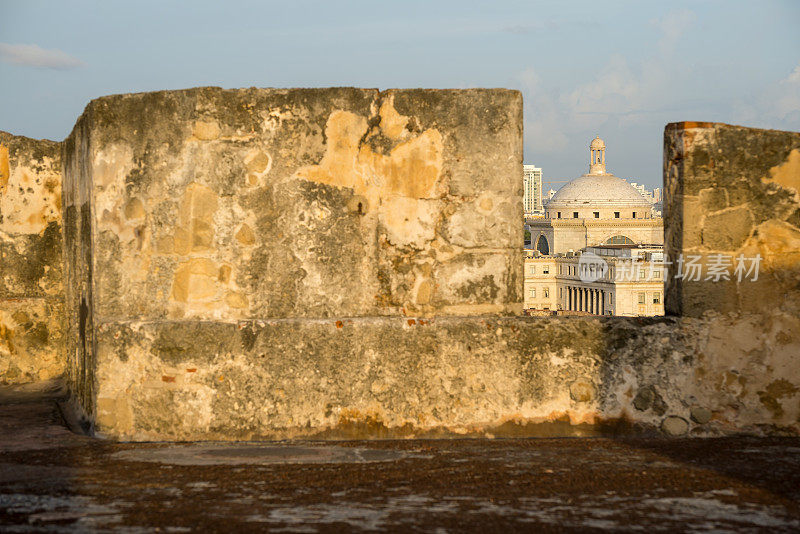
714, 198
216, 204
727, 230
725, 187
31, 266
31, 340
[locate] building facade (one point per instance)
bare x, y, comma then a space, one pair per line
532, 192
623, 280
595, 209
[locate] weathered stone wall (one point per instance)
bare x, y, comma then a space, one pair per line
733, 191
214, 204
31, 290
476, 376
345, 263
184, 363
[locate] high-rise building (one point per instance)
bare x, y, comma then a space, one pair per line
532, 194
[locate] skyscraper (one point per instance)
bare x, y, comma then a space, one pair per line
532, 194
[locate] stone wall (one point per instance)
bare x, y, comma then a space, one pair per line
347, 263
212, 205
735, 192
31, 290
183, 221
470, 376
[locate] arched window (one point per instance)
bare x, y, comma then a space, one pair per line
542, 246
619, 240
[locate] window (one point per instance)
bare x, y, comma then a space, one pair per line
546, 269
642, 298
597, 215
619, 240
616, 215
533, 293
532, 269
642, 274
657, 273
559, 214
634, 214
546, 293
656, 298
574, 214
560, 292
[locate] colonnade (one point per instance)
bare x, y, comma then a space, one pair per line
586, 299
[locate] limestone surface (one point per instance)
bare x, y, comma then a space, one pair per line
733, 191
31, 289
340, 263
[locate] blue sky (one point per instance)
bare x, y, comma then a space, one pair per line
620, 69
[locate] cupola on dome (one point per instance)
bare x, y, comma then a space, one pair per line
598, 188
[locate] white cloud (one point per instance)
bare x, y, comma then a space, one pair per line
777, 106
633, 91
629, 93
613, 90
787, 97
616, 95
35, 56
673, 25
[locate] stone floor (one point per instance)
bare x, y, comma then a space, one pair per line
52, 480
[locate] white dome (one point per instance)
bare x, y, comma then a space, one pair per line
600, 190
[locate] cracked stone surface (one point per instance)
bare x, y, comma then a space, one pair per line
54, 480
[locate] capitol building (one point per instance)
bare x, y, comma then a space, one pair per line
596, 221
595, 209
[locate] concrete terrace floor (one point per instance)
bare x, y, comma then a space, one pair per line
52, 480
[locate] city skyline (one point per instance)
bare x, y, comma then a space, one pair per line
622, 72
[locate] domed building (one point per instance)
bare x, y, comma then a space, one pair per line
595, 209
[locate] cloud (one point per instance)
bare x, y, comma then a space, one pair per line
629, 97
777, 106
634, 90
787, 97
673, 25
32, 55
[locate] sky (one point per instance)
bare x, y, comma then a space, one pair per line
619, 69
